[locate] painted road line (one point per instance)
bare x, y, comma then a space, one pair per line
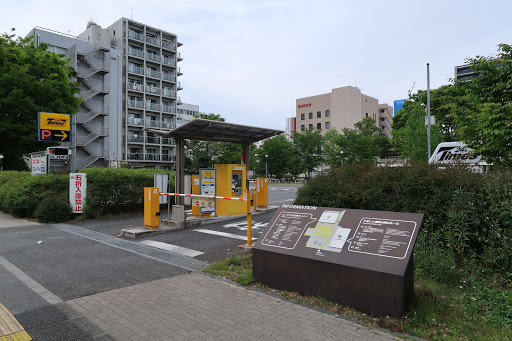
223, 234
29, 282
172, 248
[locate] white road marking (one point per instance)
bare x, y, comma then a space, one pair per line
172, 248
242, 226
223, 234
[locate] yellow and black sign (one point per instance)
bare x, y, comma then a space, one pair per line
54, 127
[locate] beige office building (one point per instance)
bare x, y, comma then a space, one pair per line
341, 108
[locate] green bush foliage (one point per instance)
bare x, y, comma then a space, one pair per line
53, 210
468, 216
109, 191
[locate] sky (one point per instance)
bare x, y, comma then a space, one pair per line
250, 60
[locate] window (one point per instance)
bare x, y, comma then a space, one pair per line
327, 125
310, 115
318, 114
302, 117
302, 128
327, 113
319, 126
310, 126
366, 114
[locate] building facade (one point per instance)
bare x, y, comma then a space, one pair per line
128, 75
464, 73
341, 108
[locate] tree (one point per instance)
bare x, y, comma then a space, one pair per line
360, 144
279, 151
484, 121
308, 149
410, 134
32, 80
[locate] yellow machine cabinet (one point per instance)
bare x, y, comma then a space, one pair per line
151, 207
261, 192
230, 183
195, 190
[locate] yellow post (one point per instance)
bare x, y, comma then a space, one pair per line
249, 209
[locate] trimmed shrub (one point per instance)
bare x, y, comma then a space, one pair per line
53, 210
468, 216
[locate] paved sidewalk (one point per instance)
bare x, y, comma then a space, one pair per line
198, 307
7, 220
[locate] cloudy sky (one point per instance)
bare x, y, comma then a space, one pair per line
250, 60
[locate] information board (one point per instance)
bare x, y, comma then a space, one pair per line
207, 181
322, 251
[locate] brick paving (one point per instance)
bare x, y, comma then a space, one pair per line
198, 307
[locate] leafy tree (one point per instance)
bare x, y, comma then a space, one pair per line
308, 149
361, 143
31, 80
410, 137
484, 121
279, 151
332, 148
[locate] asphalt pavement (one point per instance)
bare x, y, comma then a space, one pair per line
78, 281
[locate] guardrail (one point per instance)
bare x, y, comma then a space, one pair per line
300, 181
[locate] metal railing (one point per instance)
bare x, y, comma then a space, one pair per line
168, 125
153, 139
152, 56
168, 45
168, 108
152, 73
153, 106
135, 69
135, 156
168, 77
169, 93
152, 41
168, 61
135, 52
135, 86
153, 90
153, 123
136, 104
168, 141
167, 157
135, 121
135, 35
152, 157
135, 138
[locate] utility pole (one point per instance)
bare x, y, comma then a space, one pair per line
428, 109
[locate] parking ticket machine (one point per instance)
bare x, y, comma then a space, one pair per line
230, 183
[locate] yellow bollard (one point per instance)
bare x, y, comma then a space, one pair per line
249, 229
249, 209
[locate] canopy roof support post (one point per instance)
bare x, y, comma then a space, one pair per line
180, 169
245, 161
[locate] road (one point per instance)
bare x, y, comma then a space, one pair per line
44, 266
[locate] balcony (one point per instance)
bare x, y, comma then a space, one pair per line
135, 156
136, 104
153, 106
153, 57
135, 138
152, 157
153, 123
135, 86
168, 61
153, 139
135, 52
153, 90
168, 141
168, 108
168, 125
168, 45
135, 69
152, 41
179, 57
135, 35
167, 157
135, 121
168, 77
152, 73
169, 93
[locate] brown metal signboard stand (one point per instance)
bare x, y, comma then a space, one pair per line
356, 257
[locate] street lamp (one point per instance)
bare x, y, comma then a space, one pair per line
266, 168
341, 152
1, 162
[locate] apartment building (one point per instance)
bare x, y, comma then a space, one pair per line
128, 75
341, 108
464, 73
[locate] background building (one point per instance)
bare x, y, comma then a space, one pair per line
128, 74
398, 105
186, 113
341, 108
464, 73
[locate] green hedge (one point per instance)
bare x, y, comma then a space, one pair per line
468, 216
109, 191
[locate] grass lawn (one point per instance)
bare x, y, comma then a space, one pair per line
438, 311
